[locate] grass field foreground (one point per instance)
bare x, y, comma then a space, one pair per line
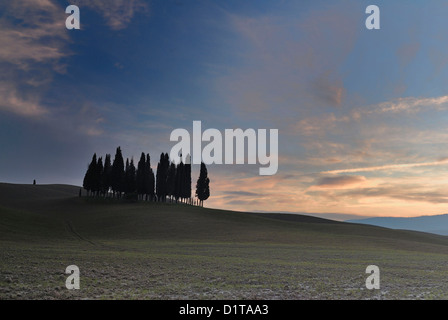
166, 251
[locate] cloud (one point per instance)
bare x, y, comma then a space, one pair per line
340, 181
313, 193
329, 90
34, 41
389, 167
317, 125
244, 203
117, 13
320, 152
31, 32
400, 192
91, 131
409, 104
241, 193
11, 101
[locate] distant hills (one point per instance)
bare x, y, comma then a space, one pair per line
437, 224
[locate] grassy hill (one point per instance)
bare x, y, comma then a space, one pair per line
166, 251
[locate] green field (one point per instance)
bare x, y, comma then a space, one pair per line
165, 251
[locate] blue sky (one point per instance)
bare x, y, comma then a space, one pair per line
361, 113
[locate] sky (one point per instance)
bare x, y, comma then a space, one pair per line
361, 113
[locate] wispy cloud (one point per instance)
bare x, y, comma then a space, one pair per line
410, 104
33, 38
339, 181
315, 126
319, 125
400, 192
117, 13
242, 193
12, 101
34, 44
389, 167
22, 43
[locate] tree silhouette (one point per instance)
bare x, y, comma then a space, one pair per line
106, 177
186, 193
117, 173
149, 179
202, 185
140, 179
98, 178
180, 170
126, 176
171, 180
130, 185
89, 177
161, 179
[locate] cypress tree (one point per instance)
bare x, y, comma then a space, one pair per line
179, 180
106, 178
132, 177
161, 179
202, 185
98, 185
171, 180
140, 179
117, 173
149, 179
158, 180
187, 179
130, 185
120, 177
88, 182
126, 176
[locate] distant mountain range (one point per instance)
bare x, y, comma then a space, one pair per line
437, 224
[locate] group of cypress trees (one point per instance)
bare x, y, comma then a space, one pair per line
117, 179
171, 183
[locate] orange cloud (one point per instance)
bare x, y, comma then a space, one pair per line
318, 125
389, 167
339, 181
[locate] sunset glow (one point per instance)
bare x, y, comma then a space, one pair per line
361, 114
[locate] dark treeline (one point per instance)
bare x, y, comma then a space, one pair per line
118, 179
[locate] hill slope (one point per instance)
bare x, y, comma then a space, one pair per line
55, 211
160, 251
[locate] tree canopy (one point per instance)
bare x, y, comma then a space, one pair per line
119, 178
